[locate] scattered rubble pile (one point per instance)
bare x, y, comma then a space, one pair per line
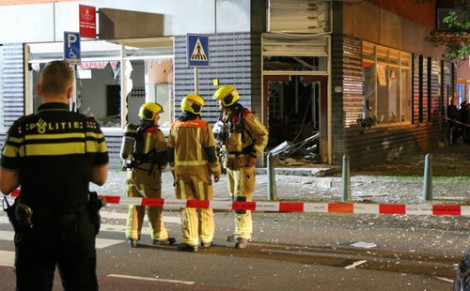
446, 161
296, 154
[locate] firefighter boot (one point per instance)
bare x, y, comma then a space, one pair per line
206, 245
164, 242
187, 247
132, 242
241, 243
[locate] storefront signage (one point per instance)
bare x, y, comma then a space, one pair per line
87, 19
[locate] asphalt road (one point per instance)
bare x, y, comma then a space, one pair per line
289, 251
298, 251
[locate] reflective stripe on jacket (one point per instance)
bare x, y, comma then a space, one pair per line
256, 129
191, 147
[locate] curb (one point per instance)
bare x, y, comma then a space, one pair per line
316, 172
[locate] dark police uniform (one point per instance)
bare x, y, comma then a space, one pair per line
54, 152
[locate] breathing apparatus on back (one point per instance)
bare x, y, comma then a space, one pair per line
134, 149
128, 141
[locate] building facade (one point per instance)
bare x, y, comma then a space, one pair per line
306, 67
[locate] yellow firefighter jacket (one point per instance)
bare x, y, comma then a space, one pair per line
247, 136
153, 151
191, 148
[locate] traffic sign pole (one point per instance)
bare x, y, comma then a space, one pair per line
72, 54
74, 93
196, 80
198, 55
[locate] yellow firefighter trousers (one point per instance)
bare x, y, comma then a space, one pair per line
195, 223
241, 185
141, 183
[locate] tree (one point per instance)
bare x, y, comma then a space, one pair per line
456, 37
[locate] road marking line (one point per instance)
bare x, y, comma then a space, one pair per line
445, 279
123, 215
100, 242
151, 279
355, 264
110, 215
7, 235
7, 258
4, 220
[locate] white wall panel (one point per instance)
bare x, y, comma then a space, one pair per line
47, 22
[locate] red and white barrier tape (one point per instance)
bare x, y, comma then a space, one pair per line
455, 121
310, 207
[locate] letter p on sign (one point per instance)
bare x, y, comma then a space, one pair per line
71, 38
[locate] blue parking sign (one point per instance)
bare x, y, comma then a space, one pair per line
72, 47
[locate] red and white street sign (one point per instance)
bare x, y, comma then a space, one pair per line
87, 21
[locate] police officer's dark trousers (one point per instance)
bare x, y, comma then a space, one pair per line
66, 238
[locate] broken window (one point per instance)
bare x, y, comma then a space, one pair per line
109, 86
291, 63
387, 84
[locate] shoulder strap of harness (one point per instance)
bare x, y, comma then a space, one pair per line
241, 117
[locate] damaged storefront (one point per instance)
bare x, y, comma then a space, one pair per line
136, 57
113, 80
342, 78
327, 78
108, 70
296, 69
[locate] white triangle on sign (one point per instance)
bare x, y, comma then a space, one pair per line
198, 52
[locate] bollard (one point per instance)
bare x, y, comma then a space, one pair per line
272, 191
427, 183
345, 180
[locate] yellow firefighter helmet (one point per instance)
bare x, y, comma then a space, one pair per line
192, 103
227, 94
148, 110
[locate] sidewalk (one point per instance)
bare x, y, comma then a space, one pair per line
399, 181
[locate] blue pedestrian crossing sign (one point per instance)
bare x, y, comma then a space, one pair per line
72, 47
198, 50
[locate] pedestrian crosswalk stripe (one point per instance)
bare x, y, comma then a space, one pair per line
7, 258
198, 52
4, 220
101, 243
9, 235
123, 215
113, 215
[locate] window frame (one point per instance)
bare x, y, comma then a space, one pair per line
383, 61
121, 51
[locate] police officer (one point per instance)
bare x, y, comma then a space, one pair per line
144, 177
53, 155
243, 142
191, 151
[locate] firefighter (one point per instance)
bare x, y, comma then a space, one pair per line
243, 140
193, 160
145, 165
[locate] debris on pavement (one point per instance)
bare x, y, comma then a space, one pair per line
306, 149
